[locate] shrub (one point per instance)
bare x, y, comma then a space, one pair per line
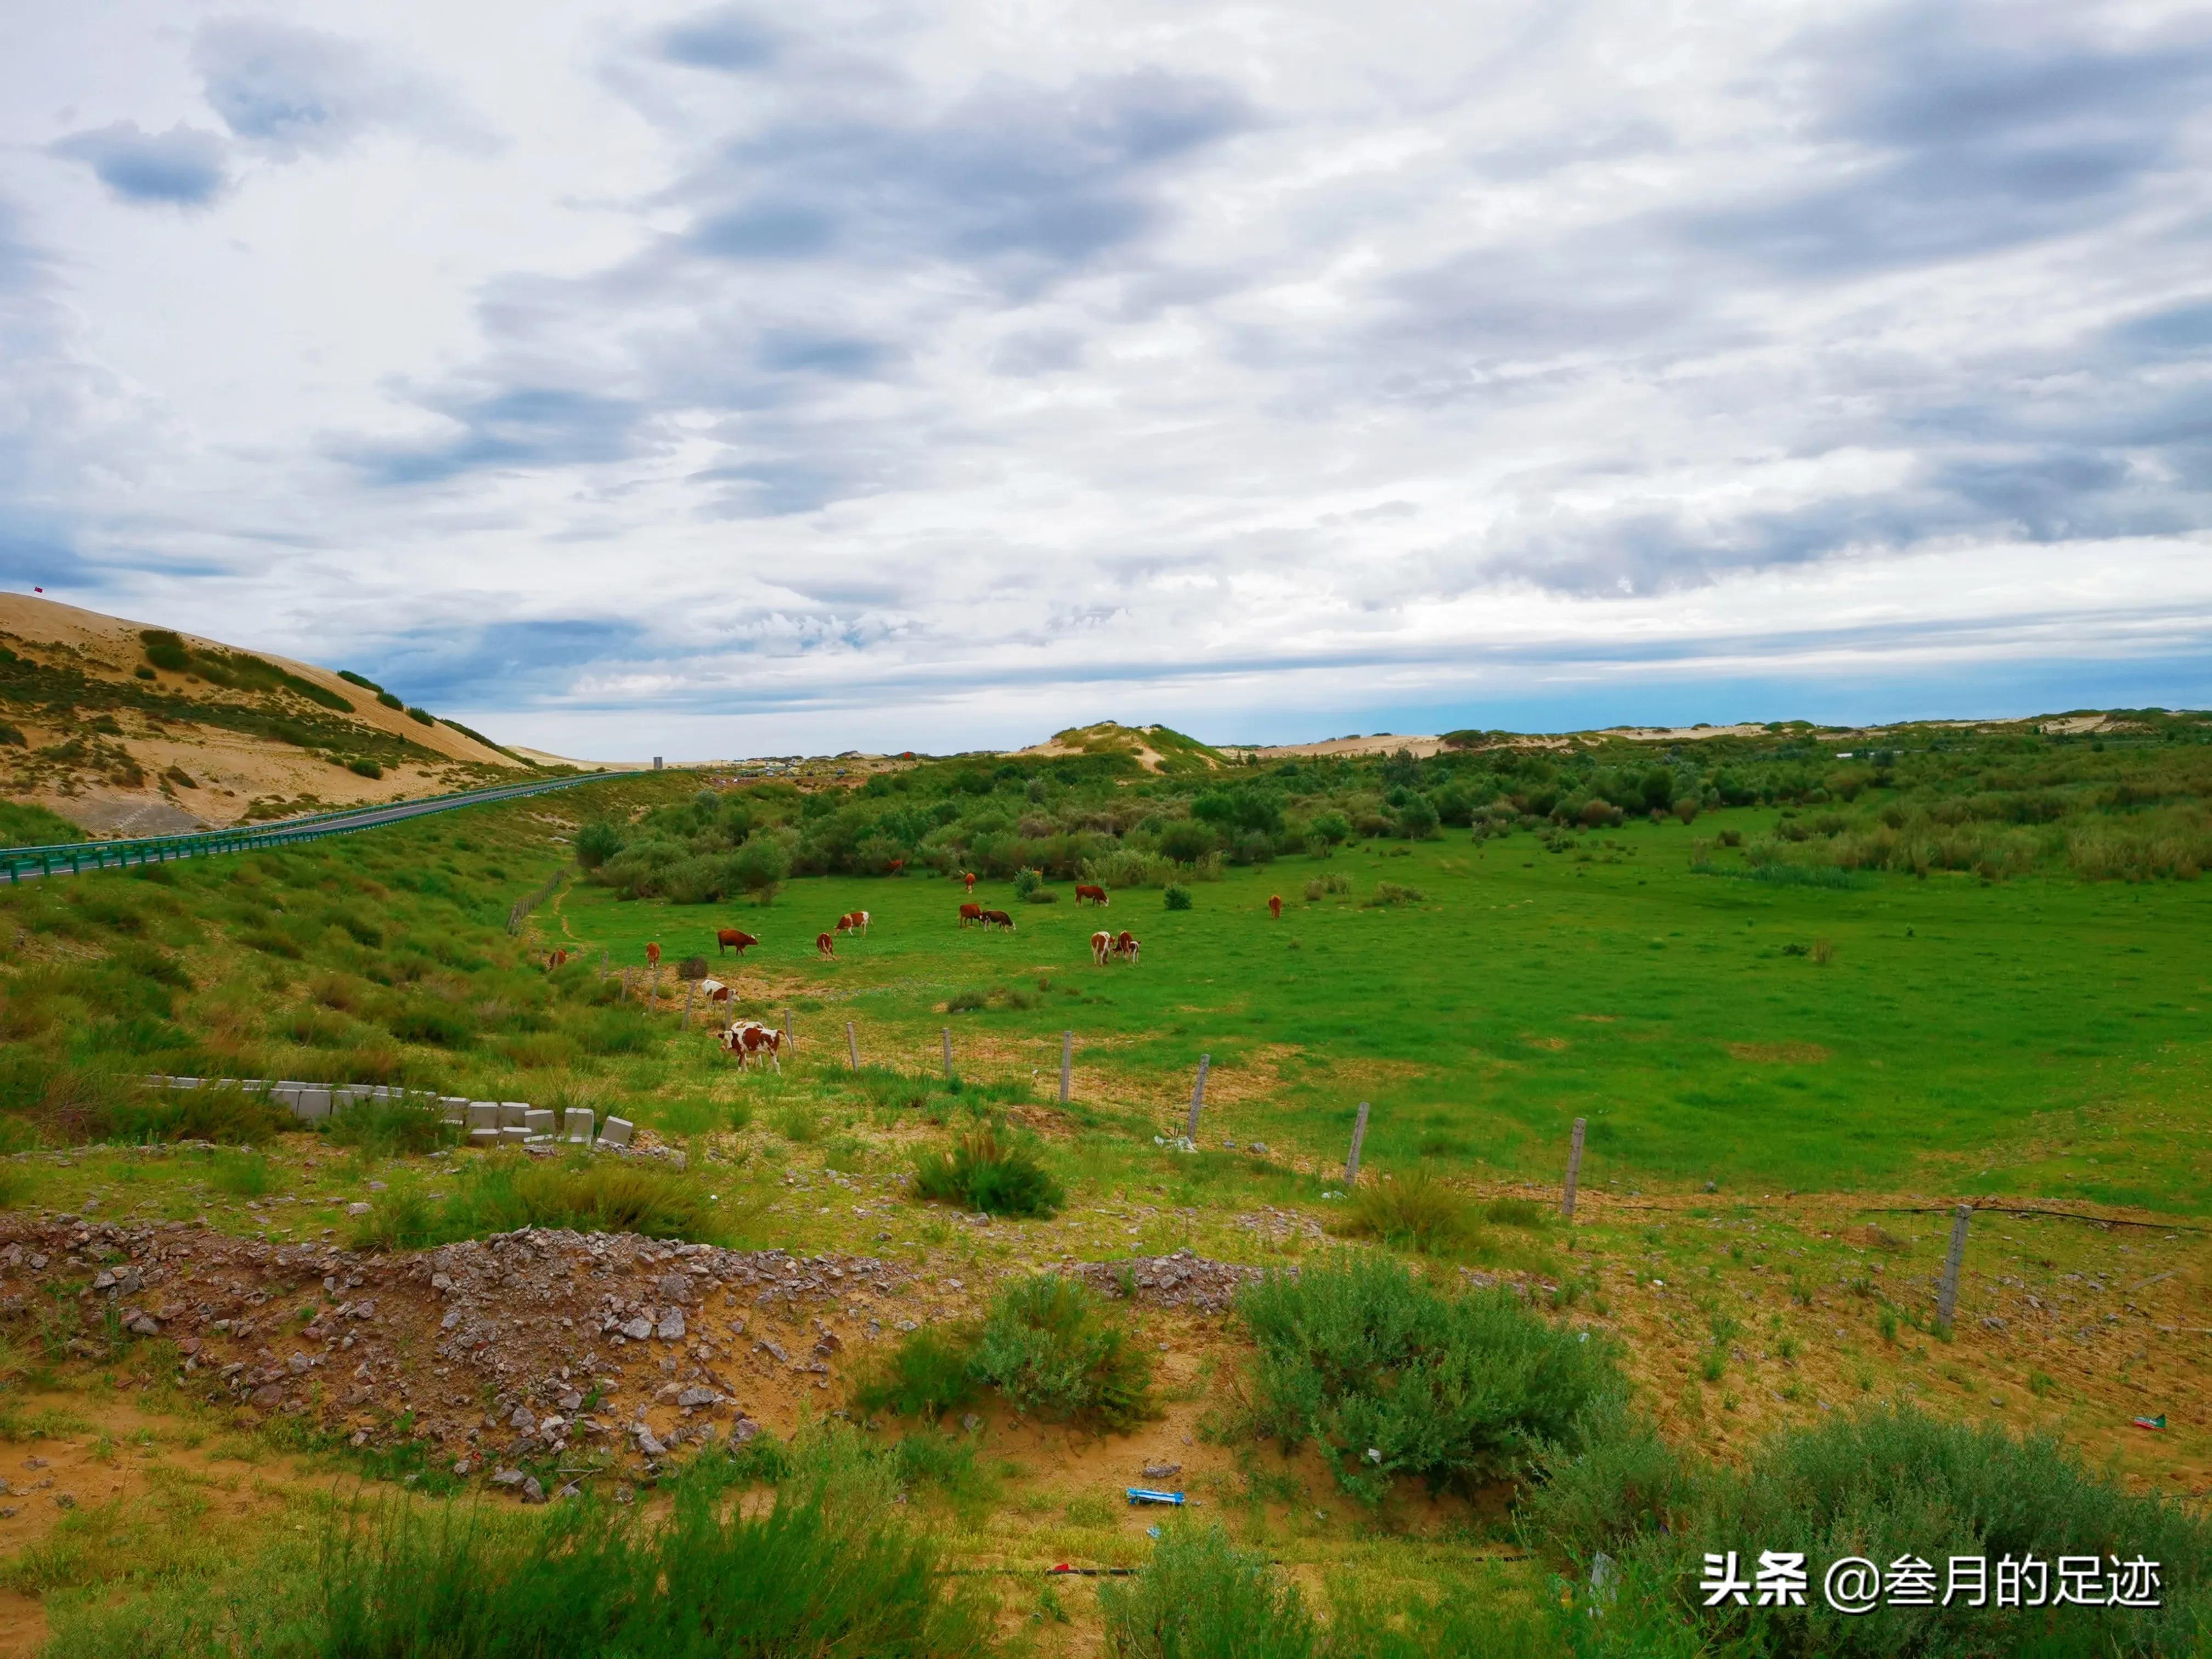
926, 1376
1417, 818
1048, 1345
1176, 897
597, 842
989, 1170
1824, 951
1389, 894
165, 650
1330, 829
1415, 1212
967, 1002
691, 968
1205, 1597
1516, 1212
421, 717
1886, 1483
365, 767
501, 1193
1388, 1378
431, 1022
1027, 882
144, 672
1186, 841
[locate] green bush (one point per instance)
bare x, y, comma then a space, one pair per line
1051, 1346
1416, 1211
597, 842
421, 717
588, 1195
1026, 882
926, 1376
1206, 1599
1389, 894
165, 650
1177, 896
1048, 1345
1388, 1378
830, 1569
991, 1170
1885, 1484
366, 768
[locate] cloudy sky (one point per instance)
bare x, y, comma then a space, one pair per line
629, 378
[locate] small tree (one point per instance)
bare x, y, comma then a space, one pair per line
596, 843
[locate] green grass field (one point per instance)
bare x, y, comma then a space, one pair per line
1960, 1037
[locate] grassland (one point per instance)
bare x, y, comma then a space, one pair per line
1786, 1080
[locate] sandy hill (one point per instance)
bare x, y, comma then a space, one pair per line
126, 728
1155, 748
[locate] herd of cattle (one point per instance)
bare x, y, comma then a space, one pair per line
750, 1040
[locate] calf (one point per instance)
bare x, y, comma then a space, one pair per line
1275, 906
1126, 947
971, 913
730, 939
825, 944
653, 955
1094, 895
997, 919
1102, 946
749, 1040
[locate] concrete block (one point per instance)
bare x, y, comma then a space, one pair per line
538, 1122
511, 1113
618, 1132
484, 1137
576, 1124
482, 1115
513, 1134
183, 1083
311, 1104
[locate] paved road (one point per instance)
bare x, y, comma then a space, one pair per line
28, 864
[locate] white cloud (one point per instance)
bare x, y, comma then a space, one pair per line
897, 370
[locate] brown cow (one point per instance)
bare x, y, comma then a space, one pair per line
1126, 947
653, 955
825, 944
970, 877
853, 922
997, 919
1275, 906
971, 913
899, 867
1102, 946
1096, 894
730, 939
557, 959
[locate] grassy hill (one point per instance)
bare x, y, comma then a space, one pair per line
117, 727
1804, 1002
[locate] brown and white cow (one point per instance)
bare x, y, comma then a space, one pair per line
1126, 947
653, 955
825, 944
854, 921
1102, 946
997, 919
1094, 895
557, 959
971, 913
1275, 906
749, 1040
731, 939
970, 877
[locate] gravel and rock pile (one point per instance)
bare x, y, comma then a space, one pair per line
1184, 1280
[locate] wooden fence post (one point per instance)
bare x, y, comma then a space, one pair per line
690, 991
1067, 1060
654, 1001
1197, 1100
1947, 1293
1358, 1134
603, 964
788, 1042
852, 1046
1574, 1170
625, 985
948, 1053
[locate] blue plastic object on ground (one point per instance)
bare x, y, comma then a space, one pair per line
1145, 1495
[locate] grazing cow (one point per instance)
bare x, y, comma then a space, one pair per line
970, 877
1275, 906
1096, 894
825, 944
971, 913
853, 922
899, 867
1102, 946
749, 1040
557, 959
653, 955
1125, 947
997, 919
730, 939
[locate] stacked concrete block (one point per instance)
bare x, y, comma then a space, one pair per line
512, 1135
618, 1132
513, 1114
312, 1104
576, 1125
453, 1109
538, 1122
